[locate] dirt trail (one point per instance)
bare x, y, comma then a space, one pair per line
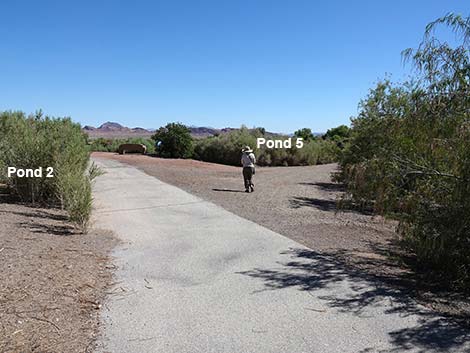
196, 278
298, 202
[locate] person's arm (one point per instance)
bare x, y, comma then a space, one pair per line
253, 158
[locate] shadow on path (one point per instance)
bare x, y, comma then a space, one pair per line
321, 204
308, 270
227, 190
327, 186
327, 205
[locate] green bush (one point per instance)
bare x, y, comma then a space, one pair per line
226, 149
305, 133
174, 141
338, 133
111, 145
409, 154
36, 141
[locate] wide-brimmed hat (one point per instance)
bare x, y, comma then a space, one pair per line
247, 149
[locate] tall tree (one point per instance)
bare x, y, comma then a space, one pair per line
173, 141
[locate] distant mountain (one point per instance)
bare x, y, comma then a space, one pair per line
140, 130
115, 130
110, 126
201, 132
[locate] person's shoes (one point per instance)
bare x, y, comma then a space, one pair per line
252, 188
246, 190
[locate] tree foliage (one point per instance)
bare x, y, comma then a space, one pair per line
305, 133
409, 152
339, 133
174, 141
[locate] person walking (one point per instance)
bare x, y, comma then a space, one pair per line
248, 163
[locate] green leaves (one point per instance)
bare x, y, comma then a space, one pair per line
174, 141
38, 141
226, 149
409, 152
305, 133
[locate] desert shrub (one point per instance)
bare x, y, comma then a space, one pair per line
173, 141
409, 154
3, 170
103, 145
112, 144
35, 141
318, 152
226, 149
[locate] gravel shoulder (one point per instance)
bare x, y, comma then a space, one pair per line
301, 204
52, 281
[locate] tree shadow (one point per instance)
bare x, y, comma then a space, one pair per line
439, 334
328, 205
44, 221
54, 229
227, 190
327, 186
36, 213
321, 204
392, 291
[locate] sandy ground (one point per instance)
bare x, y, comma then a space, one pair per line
301, 203
52, 281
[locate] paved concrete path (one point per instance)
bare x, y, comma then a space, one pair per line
193, 277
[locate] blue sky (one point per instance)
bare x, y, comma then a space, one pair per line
282, 65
